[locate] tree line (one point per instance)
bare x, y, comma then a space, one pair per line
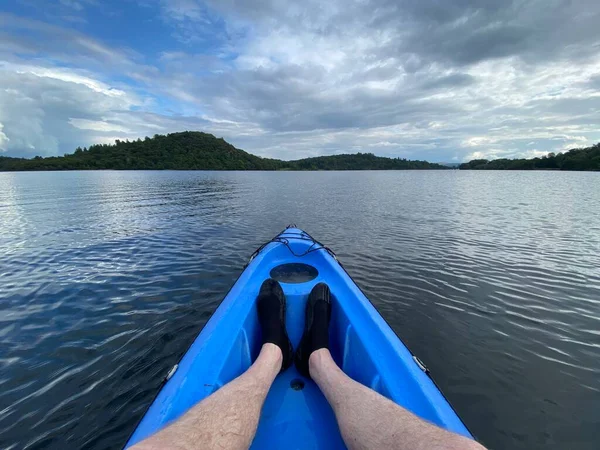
191, 150
576, 159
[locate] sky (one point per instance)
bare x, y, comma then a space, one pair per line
441, 80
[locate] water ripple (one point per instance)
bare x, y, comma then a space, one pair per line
491, 278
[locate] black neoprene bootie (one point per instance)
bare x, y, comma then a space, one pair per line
271, 306
316, 326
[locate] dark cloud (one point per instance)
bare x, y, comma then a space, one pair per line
573, 107
450, 81
536, 30
300, 98
459, 32
593, 82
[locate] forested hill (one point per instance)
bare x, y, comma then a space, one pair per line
359, 161
190, 150
576, 159
187, 150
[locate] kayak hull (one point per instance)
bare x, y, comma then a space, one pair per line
296, 414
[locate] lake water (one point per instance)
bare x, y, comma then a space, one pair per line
491, 278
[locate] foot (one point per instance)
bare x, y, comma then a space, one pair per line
316, 326
270, 305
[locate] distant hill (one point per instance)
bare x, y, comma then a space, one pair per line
191, 150
358, 161
576, 159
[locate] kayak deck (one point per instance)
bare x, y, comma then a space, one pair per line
296, 414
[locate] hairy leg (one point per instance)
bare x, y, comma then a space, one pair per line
229, 417
367, 420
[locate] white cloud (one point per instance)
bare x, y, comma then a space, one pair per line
37, 106
3, 139
72, 4
495, 153
67, 75
184, 9
98, 125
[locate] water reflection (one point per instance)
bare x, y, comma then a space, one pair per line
491, 278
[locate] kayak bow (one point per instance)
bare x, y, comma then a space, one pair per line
296, 414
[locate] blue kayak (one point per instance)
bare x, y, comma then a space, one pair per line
296, 414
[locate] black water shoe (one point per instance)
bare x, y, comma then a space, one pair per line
271, 305
316, 326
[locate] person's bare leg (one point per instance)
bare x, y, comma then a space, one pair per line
227, 418
367, 420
